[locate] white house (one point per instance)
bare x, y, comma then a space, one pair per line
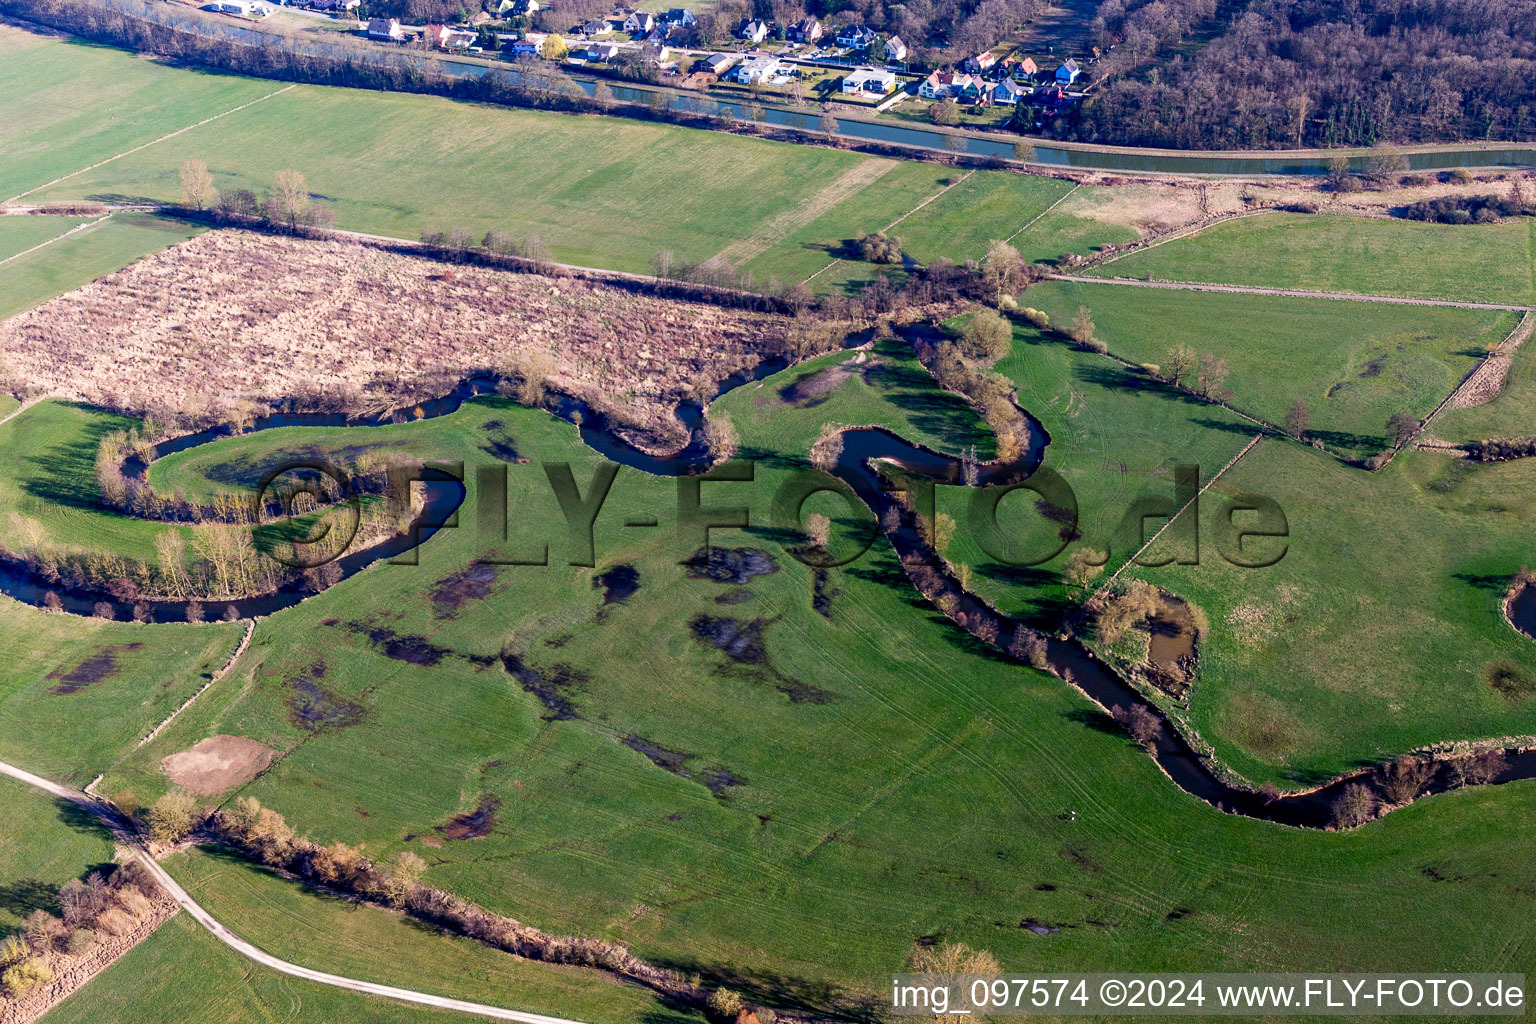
1068, 72
716, 63
639, 23
869, 82
945, 85
445, 38
602, 51
1007, 92
895, 49
1026, 70
681, 16
753, 31
385, 28
806, 30
531, 45
758, 69
855, 37
980, 62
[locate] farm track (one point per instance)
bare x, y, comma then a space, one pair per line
77, 229
124, 835
1289, 293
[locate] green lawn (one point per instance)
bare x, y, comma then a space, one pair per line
1354, 365
987, 205
78, 693
43, 845
299, 924
82, 258
1480, 263
1376, 632
66, 106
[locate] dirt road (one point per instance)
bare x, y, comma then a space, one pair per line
110, 818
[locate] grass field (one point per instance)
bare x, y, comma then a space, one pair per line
1512, 413
48, 480
1354, 365
81, 258
1480, 263
181, 973
852, 735
304, 926
69, 105
18, 234
81, 692
599, 191
1377, 631
42, 846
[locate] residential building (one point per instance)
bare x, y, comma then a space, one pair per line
895, 49
1026, 70
1068, 72
806, 30
762, 68
531, 45
680, 16
593, 28
869, 82
1007, 92
602, 51
385, 28
445, 38
855, 37
716, 63
638, 23
949, 85
753, 31
980, 62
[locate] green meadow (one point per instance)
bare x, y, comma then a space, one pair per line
1354, 365
43, 845
1477, 263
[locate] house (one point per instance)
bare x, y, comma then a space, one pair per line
385, 28
763, 69
679, 16
445, 38
982, 61
855, 37
480, 19
947, 85
1026, 70
602, 51
639, 23
1007, 92
895, 49
869, 82
1068, 72
716, 63
593, 28
531, 45
655, 51
519, 8
806, 30
753, 31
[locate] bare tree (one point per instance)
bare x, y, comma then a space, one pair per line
1142, 724
1211, 381
1299, 420
1180, 361
828, 447
1355, 806
721, 435
1401, 426
288, 199
197, 188
1406, 778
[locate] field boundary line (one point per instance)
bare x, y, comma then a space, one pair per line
115, 825
779, 227
245, 642
1288, 293
898, 220
146, 145
1250, 446
1187, 231
43, 245
1059, 200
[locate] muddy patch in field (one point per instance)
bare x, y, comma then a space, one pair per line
736, 566
618, 584
814, 388
822, 593
451, 593
415, 650
475, 824
217, 764
742, 642
1510, 681
316, 709
554, 686
96, 667
731, 597
718, 780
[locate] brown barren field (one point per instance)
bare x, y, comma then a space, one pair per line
232, 316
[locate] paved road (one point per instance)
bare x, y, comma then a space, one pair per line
1293, 293
239, 945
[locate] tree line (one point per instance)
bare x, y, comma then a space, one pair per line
1312, 73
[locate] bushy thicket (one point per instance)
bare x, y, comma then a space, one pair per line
1466, 209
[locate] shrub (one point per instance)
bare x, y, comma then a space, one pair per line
172, 816
25, 976
80, 940
879, 248
724, 1004
987, 336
